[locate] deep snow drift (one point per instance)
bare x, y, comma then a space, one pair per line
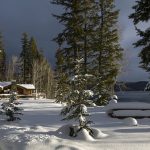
41, 129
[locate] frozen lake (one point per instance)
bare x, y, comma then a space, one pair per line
133, 96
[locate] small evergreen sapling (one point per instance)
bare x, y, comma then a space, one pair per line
147, 88
10, 108
78, 100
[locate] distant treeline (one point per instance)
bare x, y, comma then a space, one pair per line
29, 67
131, 86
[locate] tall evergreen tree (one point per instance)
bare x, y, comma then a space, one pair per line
34, 49
24, 58
28, 55
90, 29
142, 14
107, 50
62, 87
2, 60
79, 22
34, 55
73, 58
78, 99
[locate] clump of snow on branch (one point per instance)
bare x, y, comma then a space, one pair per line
88, 93
114, 99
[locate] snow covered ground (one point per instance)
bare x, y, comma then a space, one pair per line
38, 130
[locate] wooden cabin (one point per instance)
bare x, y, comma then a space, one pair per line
5, 87
25, 90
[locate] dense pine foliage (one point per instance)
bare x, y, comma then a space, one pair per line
28, 55
2, 60
106, 50
142, 14
78, 99
31, 67
90, 31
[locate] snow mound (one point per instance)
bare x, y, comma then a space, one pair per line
130, 121
64, 130
115, 97
84, 135
98, 134
113, 101
93, 105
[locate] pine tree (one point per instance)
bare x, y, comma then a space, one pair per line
73, 58
25, 59
2, 60
34, 55
78, 100
34, 49
142, 14
91, 29
107, 51
62, 87
10, 108
29, 54
79, 20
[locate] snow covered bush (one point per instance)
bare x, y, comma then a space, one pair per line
10, 108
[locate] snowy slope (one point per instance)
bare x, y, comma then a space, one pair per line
41, 120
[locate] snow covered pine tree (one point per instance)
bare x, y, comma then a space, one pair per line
10, 108
78, 100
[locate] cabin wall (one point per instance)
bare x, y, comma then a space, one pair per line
27, 92
1, 91
20, 90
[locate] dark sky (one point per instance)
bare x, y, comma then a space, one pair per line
34, 17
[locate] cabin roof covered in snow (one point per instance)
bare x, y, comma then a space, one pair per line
4, 84
27, 86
